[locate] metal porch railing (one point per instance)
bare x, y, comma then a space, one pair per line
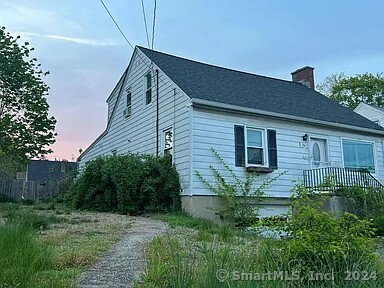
332, 179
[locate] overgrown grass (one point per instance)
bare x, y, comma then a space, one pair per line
195, 254
206, 229
22, 257
45, 246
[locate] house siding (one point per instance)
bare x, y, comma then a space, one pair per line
212, 129
370, 113
137, 134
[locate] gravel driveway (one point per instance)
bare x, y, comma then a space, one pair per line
125, 261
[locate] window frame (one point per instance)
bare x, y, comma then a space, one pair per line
128, 92
173, 142
327, 149
373, 143
264, 146
146, 89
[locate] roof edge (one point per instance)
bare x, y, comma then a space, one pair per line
223, 106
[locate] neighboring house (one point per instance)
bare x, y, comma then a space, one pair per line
166, 104
45, 170
373, 113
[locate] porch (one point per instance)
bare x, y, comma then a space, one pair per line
331, 179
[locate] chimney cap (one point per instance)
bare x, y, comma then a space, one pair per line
301, 69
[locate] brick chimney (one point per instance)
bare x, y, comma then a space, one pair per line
304, 76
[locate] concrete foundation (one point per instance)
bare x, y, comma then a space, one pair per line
204, 206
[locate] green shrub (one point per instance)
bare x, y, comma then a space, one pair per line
366, 204
240, 196
22, 257
127, 184
322, 241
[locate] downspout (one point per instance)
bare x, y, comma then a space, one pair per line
157, 113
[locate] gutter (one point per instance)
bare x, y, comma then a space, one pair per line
244, 110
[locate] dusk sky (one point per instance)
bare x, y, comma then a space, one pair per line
85, 53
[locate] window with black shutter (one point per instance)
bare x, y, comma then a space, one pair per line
255, 148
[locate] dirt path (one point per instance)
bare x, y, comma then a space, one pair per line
124, 262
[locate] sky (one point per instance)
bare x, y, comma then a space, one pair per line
86, 55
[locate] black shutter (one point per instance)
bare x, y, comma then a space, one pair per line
272, 149
239, 146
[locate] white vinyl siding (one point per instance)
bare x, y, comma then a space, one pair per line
374, 114
213, 129
139, 133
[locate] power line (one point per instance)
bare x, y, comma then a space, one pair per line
153, 24
126, 39
117, 25
145, 22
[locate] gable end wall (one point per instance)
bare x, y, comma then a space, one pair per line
137, 134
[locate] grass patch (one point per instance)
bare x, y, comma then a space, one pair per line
196, 250
206, 229
22, 257
68, 242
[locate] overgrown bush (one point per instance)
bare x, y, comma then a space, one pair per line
366, 203
127, 184
240, 196
323, 241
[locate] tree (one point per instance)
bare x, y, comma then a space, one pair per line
350, 91
26, 129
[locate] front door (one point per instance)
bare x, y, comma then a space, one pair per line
319, 153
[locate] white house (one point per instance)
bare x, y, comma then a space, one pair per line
373, 113
167, 104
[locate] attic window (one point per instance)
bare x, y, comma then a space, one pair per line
128, 110
148, 88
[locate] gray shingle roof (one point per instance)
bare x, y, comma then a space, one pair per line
213, 83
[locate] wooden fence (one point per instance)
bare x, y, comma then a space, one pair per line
33, 190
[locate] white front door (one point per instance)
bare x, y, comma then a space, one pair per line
319, 153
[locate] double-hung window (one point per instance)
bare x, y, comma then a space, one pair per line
128, 108
358, 155
148, 88
255, 147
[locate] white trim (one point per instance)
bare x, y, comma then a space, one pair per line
146, 89
162, 141
359, 140
191, 135
128, 91
244, 110
327, 149
265, 146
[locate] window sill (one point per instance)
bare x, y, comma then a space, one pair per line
260, 169
147, 106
